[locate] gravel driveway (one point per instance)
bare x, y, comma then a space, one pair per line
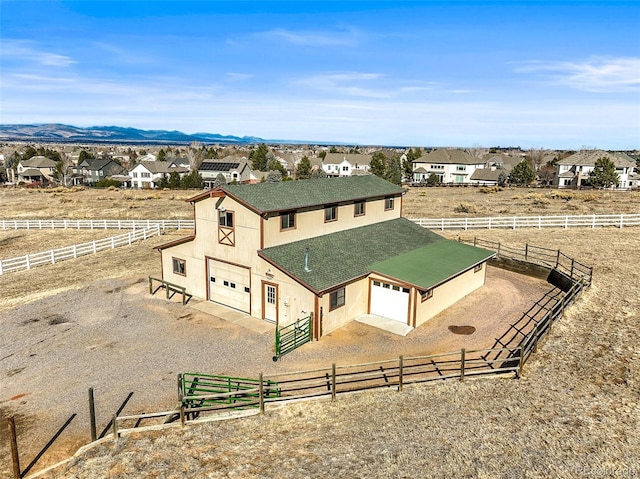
115, 337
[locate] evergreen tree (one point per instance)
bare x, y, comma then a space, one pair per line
162, 155
192, 180
522, 174
393, 171
303, 171
377, 165
275, 165
174, 180
258, 157
433, 180
604, 174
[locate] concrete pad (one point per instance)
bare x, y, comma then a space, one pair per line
395, 327
234, 316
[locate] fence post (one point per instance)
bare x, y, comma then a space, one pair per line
535, 339
93, 243
572, 263
28, 261
75, 251
333, 382
400, 373
15, 457
526, 251
261, 393
92, 415
115, 427
498, 249
520, 363
462, 357
558, 259
1, 266
53, 258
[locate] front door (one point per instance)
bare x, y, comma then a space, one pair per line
270, 302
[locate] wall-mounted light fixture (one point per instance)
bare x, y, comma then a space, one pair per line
269, 274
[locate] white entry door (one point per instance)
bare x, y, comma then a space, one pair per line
229, 284
270, 301
390, 301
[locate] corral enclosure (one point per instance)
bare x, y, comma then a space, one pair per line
576, 409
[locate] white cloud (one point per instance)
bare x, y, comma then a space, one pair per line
24, 51
601, 75
314, 38
232, 76
364, 85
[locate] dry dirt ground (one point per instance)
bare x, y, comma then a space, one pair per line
575, 413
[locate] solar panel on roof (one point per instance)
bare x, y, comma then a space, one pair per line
217, 166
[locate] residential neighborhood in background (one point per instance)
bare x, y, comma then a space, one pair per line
197, 165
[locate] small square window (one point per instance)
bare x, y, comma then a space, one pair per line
388, 203
226, 283
376, 283
179, 266
233, 285
330, 213
478, 268
288, 220
336, 299
226, 219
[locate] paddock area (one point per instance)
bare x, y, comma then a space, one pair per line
115, 337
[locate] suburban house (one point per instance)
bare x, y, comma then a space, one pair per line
147, 174
230, 167
345, 164
91, 170
573, 171
335, 247
449, 165
37, 169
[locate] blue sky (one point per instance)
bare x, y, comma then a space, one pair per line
543, 74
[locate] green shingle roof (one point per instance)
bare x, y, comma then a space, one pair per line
398, 248
289, 195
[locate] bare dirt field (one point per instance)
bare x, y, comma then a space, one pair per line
575, 413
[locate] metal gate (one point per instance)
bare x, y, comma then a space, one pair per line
293, 336
194, 389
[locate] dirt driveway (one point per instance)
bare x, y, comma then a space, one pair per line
115, 337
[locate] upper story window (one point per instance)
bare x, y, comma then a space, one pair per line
358, 208
388, 203
461, 168
226, 231
145, 175
437, 167
226, 218
345, 168
288, 220
336, 299
330, 213
135, 174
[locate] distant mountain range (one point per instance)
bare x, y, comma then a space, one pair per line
58, 133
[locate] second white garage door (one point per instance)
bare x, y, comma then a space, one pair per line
390, 301
230, 285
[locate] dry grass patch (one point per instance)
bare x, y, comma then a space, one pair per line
21, 242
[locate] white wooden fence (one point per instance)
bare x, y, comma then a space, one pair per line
513, 222
69, 252
94, 224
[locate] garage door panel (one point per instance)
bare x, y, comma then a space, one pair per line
230, 285
389, 301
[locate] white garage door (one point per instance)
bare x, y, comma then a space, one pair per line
390, 301
229, 285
